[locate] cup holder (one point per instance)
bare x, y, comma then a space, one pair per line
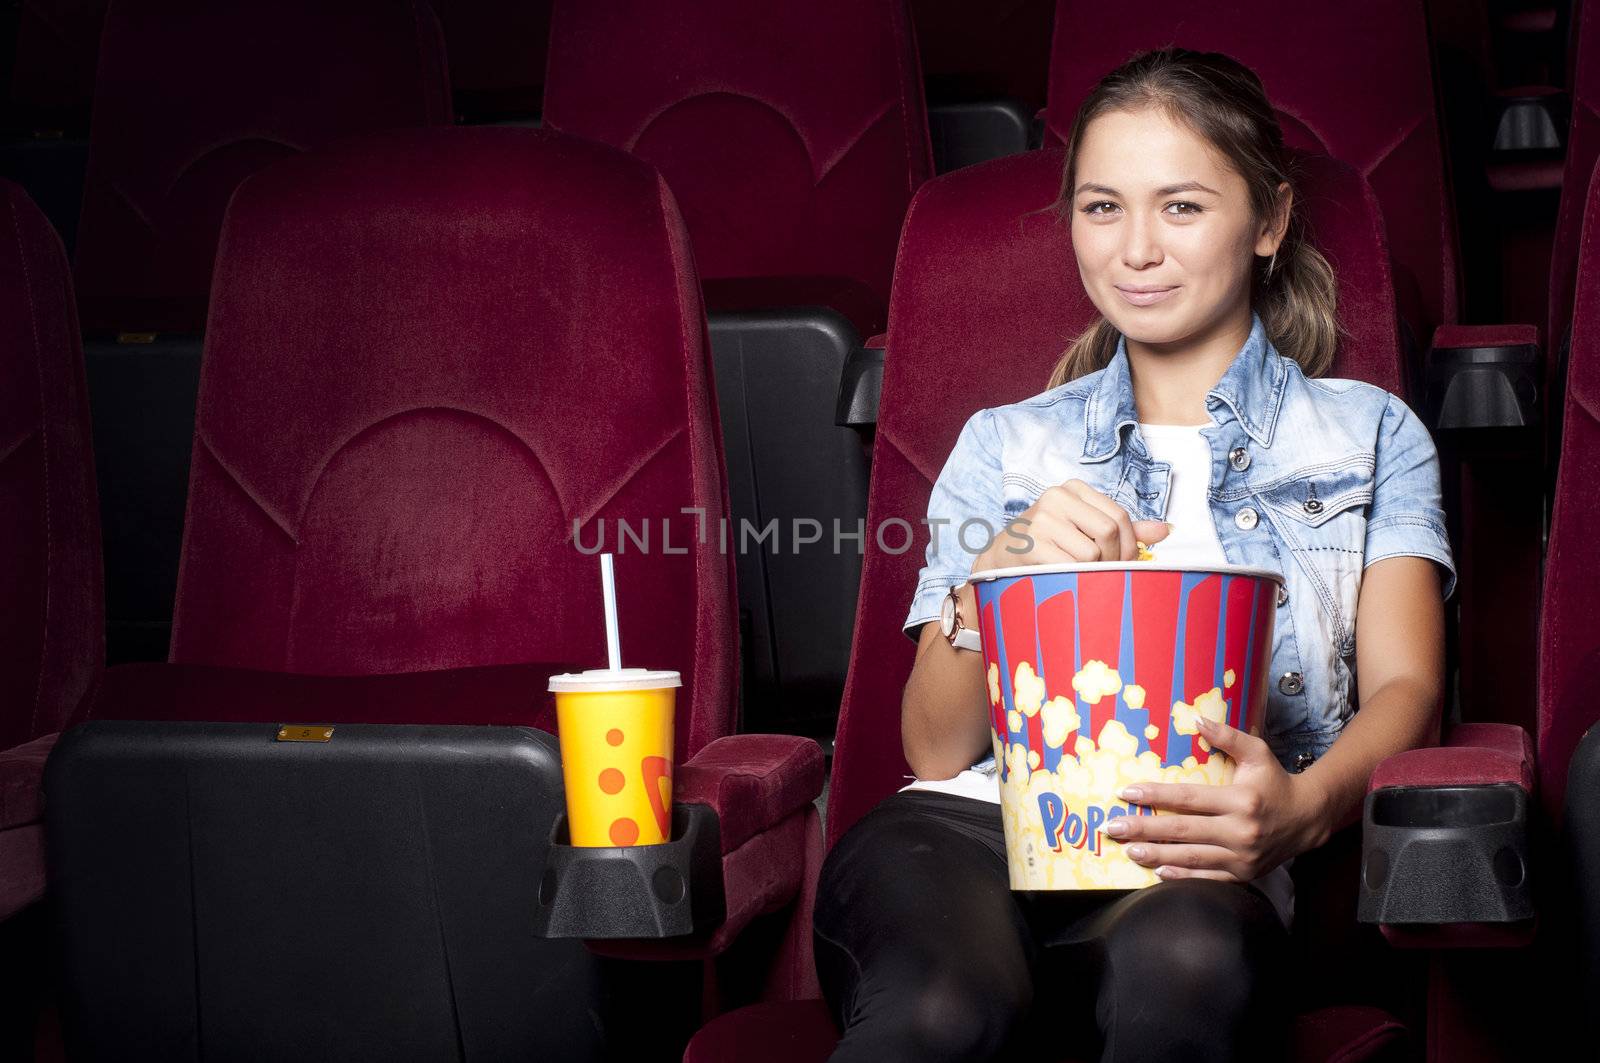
635, 891
1445, 854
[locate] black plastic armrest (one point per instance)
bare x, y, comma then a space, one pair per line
861, 386
1483, 376
1580, 835
1445, 857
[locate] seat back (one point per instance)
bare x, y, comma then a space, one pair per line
793, 136
1569, 636
1583, 148
52, 625
191, 97
444, 369
1382, 121
986, 298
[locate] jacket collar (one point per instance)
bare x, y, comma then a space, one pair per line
1252, 388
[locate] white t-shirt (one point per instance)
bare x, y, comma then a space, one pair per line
1192, 541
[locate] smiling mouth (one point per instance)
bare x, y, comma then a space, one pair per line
1145, 294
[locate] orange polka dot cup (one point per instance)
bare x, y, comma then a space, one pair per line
615, 727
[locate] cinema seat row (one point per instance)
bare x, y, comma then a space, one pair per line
794, 144
328, 574
366, 339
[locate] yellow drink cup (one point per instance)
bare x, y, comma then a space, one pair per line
615, 727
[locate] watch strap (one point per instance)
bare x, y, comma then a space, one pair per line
969, 639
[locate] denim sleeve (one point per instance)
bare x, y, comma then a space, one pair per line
967, 490
1407, 516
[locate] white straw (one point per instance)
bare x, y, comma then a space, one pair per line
608, 583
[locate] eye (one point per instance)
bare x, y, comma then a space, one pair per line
1187, 208
1093, 209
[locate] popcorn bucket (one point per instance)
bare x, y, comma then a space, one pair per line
1097, 673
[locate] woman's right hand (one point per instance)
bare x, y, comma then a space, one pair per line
1068, 523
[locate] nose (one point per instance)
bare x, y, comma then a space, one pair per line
1141, 246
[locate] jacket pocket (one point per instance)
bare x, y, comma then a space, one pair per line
1321, 514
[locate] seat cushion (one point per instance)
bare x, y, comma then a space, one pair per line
802, 1032
21, 773
21, 830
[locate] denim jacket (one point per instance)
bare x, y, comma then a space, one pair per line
1311, 478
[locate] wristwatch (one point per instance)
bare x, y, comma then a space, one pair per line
955, 632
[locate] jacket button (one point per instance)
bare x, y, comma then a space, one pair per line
1239, 458
1302, 761
1245, 519
1291, 683
1283, 594
1313, 505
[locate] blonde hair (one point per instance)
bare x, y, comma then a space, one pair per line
1222, 100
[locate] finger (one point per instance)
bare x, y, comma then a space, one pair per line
1122, 538
1174, 828
1150, 532
1240, 745
1169, 873
1188, 857
1062, 539
1185, 797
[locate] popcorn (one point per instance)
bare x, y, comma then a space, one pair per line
1227, 679
1185, 717
1014, 721
1027, 690
1115, 739
994, 683
1033, 759
1144, 552
1060, 718
1150, 732
1133, 694
1095, 680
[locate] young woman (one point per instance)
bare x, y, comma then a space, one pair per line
1190, 418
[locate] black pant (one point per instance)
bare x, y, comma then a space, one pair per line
925, 953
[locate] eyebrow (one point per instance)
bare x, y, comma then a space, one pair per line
1169, 190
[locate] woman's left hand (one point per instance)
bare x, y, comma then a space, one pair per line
1235, 833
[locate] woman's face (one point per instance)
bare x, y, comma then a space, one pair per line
1163, 229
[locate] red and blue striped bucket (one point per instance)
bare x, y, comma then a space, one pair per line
1096, 673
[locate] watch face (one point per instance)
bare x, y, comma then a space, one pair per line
947, 615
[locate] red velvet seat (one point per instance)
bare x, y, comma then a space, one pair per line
1577, 168
1569, 740
51, 621
420, 416
793, 141
1017, 296
1569, 636
192, 97
1382, 122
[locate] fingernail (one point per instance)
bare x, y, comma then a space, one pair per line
1131, 793
1162, 872
1137, 852
1116, 828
